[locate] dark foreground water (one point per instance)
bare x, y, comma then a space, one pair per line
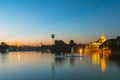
45, 66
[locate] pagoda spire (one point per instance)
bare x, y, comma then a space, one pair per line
103, 38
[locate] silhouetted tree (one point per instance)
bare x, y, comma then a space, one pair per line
60, 47
73, 45
112, 44
3, 47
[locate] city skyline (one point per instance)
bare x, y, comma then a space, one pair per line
33, 21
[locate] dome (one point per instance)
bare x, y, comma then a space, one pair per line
103, 37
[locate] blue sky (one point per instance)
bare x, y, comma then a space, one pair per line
80, 20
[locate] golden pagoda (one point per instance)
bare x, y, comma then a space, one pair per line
102, 38
95, 45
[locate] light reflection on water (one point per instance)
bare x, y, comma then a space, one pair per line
45, 66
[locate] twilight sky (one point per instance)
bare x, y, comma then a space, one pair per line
33, 21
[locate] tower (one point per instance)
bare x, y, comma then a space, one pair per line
102, 38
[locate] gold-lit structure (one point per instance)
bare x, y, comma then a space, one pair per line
94, 46
99, 56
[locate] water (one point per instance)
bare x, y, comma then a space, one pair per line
45, 66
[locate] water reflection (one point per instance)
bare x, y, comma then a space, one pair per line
25, 57
115, 59
48, 65
59, 61
18, 57
81, 54
95, 58
101, 60
103, 64
3, 58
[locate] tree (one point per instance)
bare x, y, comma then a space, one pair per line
72, 43
112, 44
3, 47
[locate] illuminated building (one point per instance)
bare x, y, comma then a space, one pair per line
95, 45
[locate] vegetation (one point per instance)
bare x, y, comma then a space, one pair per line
58, 47
4, 47
112, 44
62, 47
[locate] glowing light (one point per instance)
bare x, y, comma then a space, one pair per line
103, 65
95, 59
80, 50
18, 57
80, 53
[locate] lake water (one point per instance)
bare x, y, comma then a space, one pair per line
46, 66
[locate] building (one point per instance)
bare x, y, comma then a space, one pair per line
94, 46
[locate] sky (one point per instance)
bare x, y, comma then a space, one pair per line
33, 21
